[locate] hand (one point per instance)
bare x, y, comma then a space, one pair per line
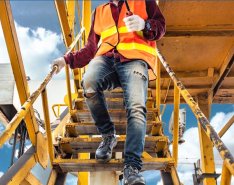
134, 23
60, 62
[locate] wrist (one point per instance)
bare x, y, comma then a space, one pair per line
67, 58
148, 26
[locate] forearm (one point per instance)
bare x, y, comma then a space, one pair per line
155, 27
81, 58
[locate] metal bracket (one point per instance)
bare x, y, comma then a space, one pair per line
199, 176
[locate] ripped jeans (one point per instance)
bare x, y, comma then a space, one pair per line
106, 73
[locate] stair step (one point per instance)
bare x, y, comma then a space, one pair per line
115, 93
112, 103
153, 144
79, 165
117, 115
75, 129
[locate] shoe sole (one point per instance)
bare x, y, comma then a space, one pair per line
108, 159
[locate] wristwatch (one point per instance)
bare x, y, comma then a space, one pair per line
147, 25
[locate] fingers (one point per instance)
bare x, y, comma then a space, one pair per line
129, 18
130, 23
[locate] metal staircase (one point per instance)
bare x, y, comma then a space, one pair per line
76, 134
72, 144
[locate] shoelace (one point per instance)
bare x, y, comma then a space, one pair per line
105, 141
132, 171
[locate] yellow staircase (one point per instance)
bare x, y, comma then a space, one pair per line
69, 146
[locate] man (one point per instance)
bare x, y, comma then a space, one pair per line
120, 50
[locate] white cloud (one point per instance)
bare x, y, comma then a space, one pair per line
38, 47
1, 174
189, 152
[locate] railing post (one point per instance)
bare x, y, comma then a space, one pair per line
226, 176
176, 123
10, 35
47, 125
206, 146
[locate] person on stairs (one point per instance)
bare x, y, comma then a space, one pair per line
121, 52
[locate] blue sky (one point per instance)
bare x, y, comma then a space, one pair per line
41, 41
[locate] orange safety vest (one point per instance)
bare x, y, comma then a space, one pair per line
131, 45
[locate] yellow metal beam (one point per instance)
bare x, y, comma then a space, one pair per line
206, 146
30, 180
226, 176
13, 48
158, 85
226, 127
47, 125
176, 123
71, 15
52, 177
62, 15
158, 97
86, 17
71, 5
22, 173
42, 150
83, 177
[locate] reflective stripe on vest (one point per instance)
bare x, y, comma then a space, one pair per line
113, 30
137, 46
127, 46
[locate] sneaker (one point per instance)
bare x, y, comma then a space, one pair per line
104, 151
132, 176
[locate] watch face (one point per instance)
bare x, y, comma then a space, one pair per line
148, 25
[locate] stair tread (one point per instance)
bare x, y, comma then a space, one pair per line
112, 103
89, 128
115, 114
115, 99
116, 90
153, 144
75, 165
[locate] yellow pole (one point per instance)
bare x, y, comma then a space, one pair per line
209, 130
226, 176
158, 97
226, 127
84, 177
176, 123
158, 86
47, 125
10, 35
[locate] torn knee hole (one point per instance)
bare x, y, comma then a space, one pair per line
141, 75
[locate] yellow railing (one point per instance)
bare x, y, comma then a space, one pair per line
58, 110
208, 129
25, 108
13, 124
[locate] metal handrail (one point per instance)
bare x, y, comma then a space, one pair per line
13, 124
57, 105
209, 130
10, 128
